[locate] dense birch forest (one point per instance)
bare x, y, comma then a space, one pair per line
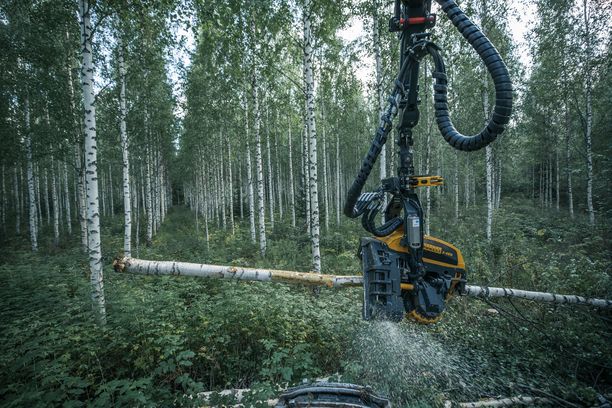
228, 132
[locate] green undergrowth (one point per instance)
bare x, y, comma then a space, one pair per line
168, 338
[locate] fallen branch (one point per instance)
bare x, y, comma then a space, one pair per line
141, 266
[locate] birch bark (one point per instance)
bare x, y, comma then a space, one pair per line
249, 173
489, 163
127, 207
67, 200
17, 206
93, 216
55, 202
270, 174
259, 167
325, 180
589, 112
110, 189
568, 170
33, 221
231, 186
148, 196
291, 186
338, 178
312, 135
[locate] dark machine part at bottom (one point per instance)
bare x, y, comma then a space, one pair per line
390, 289
324, 394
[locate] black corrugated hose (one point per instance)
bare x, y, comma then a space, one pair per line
498, 71
495, 126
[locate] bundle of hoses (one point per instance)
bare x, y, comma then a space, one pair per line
495, 126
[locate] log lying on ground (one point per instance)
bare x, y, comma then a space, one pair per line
486, 292
140, 266
144, 267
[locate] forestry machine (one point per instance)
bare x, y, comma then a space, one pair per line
405, 271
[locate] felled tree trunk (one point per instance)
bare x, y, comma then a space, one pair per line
141, 266
486, 292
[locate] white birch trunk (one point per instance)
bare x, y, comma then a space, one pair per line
325, 180
148, 197
93, 215
110, 189
291, 185
498, 182
489, 163
205, 201
278, 176
241, 191
17, 206
338, 178
312, 136
55, 202
231, 186
306, 171
39, 219
568, 159
78, 161
81, 196
270, 173
67, 200
102, 192
259, 167
33, 221
589, 114
127, 207
221, 189
249, 174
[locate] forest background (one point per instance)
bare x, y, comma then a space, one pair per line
113, 144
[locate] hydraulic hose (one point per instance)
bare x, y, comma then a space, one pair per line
498, 71
495, 126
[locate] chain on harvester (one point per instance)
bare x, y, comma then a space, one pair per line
405, 271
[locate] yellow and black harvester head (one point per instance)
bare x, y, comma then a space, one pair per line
392, 291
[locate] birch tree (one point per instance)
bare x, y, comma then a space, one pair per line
258, 164
30, 174
311, 135
93, 214
127, 201
588, 128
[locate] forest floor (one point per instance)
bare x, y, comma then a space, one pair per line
168, 338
